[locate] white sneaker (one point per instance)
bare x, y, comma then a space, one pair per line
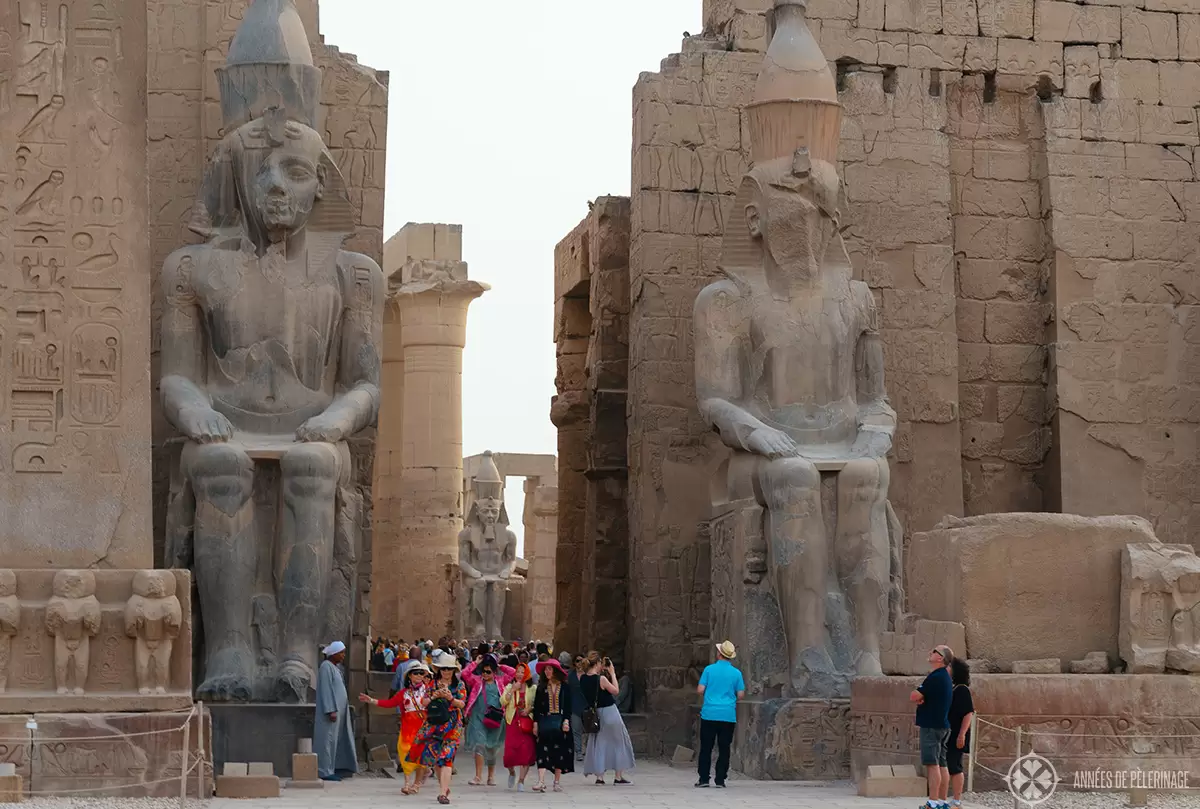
520, 787
512, 780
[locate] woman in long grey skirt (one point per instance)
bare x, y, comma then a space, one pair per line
610, 748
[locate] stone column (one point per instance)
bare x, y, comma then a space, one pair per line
415, 241
416, 554
541, 547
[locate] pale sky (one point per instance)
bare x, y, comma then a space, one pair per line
507, 118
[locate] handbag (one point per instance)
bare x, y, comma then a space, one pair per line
493, 717
524, 723
591, 715
550, 723
438, 712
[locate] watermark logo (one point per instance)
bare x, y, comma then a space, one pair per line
1032, 779
1131, 779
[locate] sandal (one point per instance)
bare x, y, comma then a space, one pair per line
600, 782
474, 782
407, 790
621, 782
491, 782
443, 799
539, 787
557, 787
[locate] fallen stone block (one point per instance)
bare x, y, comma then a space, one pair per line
260, 768
683, 756
12, 789
1092, 663
1049, 665
304, 768
236, 768
304, 746
894, 781
247, 786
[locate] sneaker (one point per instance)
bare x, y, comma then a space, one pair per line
701, 785
955, 803
520, 787
720, 785
331, 778
512, 780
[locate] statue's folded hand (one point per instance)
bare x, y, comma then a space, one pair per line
322, 428
205, 425
772, 443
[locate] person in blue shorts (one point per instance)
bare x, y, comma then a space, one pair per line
933, 721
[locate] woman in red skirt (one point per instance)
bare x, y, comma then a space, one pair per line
520, 746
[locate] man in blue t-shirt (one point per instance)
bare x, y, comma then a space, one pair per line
722, 686
933, 721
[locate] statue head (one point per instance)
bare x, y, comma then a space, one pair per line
154, 583
74, 583
793, 211
488, 510
272, 175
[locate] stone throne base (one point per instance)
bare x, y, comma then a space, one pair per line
1115, 722
106, 755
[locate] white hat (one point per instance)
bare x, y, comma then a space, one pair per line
334, 648
445, 660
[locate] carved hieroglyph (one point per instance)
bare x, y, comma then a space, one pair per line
153, 618
270, 363
789, 371
74, 294
73, 619
1160, 608
487, 555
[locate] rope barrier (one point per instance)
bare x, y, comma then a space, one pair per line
26, 739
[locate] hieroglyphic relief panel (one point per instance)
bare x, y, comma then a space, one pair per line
74, 294
104, 640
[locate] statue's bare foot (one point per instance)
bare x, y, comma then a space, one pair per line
294, 682
144, 691
228, 679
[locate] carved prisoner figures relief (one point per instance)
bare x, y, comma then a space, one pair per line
73, 618
153, 618
10, 622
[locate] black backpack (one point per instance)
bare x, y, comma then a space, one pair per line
438, 712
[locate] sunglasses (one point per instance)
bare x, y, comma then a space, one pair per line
487, 672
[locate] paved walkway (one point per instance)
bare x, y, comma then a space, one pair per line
656, 786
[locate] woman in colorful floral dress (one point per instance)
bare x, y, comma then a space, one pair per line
442, 732
411, 702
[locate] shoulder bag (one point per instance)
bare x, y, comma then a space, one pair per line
591, 716
524, 723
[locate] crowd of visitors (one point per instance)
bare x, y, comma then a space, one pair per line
513, 705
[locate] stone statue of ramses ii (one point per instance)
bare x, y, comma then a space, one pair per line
270, 362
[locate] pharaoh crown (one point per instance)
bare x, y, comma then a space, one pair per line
270, 65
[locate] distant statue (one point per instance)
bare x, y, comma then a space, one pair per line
789, 371
153, 618
487, 556
270, 362
73, 619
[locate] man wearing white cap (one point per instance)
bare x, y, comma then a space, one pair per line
722, 686
333, 735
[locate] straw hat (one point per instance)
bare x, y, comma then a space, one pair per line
727, 650
445, 660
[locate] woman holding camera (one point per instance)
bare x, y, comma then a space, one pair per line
439, 738
609, 747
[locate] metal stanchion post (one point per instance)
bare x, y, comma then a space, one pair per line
971, 754
200, 752
183, 766
1016, 801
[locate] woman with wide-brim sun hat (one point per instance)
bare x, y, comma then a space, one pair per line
552, 723
411, 702
442, 732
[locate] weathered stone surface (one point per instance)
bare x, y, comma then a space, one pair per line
247, 786
75, 490
1160, 608
1049, 665
972, 570
1068, 710
906, 651
793, 739
895, 781
71, 641
263, 408
1092, 663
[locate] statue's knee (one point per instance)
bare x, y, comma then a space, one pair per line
310, 470
219, 471
867, 475
794, 473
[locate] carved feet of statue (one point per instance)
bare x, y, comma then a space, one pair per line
815, 675
868, 665
145, 692
228, 677
294, 682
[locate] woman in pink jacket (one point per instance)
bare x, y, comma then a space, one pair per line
486, 679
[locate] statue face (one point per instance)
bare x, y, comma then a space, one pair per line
789, 212
285, 180
489, 511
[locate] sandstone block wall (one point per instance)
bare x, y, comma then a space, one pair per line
592, 332
1020, 177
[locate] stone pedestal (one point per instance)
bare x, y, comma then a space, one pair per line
120, 755
259, 732
1079, 722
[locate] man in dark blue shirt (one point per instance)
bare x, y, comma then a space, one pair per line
933, 719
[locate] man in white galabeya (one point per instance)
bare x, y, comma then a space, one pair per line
722, 686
